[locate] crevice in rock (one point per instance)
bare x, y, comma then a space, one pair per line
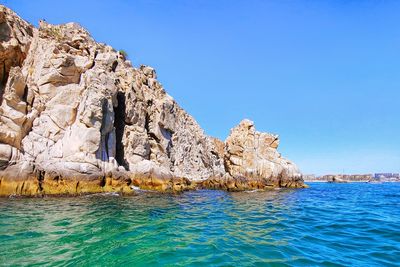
3, 81
154, 137
102, 152
169, 149
114, 66
147, 117
22, 187
119, 125
25, 96
106, 145
40, 177
147, 122
103, 181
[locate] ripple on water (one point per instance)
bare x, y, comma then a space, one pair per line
325, 225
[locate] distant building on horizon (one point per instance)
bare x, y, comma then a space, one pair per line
386, 175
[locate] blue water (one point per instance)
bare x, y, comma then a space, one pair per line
325, 225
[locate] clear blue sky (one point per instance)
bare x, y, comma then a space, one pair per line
324, 75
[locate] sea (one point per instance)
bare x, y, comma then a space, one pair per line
353, 224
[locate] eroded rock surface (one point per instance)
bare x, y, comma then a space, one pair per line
253, 155
76, 117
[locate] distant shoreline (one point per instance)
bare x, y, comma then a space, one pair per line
347, 182
353, 178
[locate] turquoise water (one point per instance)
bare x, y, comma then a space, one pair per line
325, 225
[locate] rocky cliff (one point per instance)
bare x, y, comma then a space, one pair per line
76, 117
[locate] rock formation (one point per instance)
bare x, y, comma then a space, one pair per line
252, 161
76, 117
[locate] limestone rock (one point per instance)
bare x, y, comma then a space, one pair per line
254, 155
15, 38
76, 117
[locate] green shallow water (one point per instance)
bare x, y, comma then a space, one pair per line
325, 225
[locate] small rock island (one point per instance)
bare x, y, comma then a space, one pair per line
76, 118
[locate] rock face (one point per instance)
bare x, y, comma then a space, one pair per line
76, 117
254, 155
252, 162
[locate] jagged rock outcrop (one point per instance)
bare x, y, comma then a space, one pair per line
76, 117
254, 155
253, 162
